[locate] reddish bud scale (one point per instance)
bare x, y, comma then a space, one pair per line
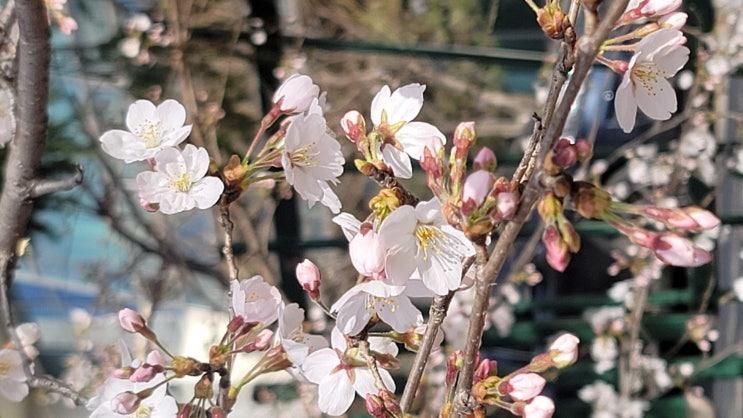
590, 201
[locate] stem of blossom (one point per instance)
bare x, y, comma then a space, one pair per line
627, 359
324, 307
266, 122
371, 362
532, 5
630, 47
436, 316
227, 225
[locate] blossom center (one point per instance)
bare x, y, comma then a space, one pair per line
304, 156
4, 368
380, 303
646, 75
142, 412
182, 183
251, 296
427, 237
150, 132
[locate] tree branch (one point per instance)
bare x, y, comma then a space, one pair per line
44, 187
586, 52
22, 164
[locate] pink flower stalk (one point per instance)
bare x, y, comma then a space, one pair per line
308, 275
261, 343
125, 403
476, 188
131, 321
676, 250
523, 386
354, 126
558, 253
295, 94
367, 255
485, 160
539, 407
564, 350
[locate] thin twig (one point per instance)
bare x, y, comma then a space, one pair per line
228, 226
436, 316
627, 357
47, 186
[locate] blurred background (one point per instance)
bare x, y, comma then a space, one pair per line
93, 250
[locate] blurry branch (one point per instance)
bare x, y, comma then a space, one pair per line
554, 121
48, 186
21, 166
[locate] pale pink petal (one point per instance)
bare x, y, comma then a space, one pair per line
379, 103
348, 223
625, 105
398, 160
318, 364
415, 136
656, 98
335, 393
139, 113
405, 103
172, 115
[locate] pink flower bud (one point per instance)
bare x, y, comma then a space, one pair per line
558, 255
506, 205
584, 149
678, 251
354, 126
704, 218
295, 94
464, 137
155, 358
523, 386
131, 321
564, 350
308, 276
375, 406
145, 373
675, 20
539, 407
262, 342
476, 188
485, 160
125, 403
367, 255
564, 153
485, 369
453, 364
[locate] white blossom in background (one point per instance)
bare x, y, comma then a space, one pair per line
390, 303
179, 182
338, 378
392, 114
312, 160
419, 239
606, 402
28, 334
12, 377
157, 405
738, 289
290, 334
255, 300
604, 352
7, 117
657, 57
151, 129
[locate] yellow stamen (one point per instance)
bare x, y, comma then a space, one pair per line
182, 183
150, 132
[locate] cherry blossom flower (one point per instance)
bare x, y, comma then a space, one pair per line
564, 350
308, 276
419, 239
296, 94
657, 57
115, 398
12, 377
255, 300
291, 336
151, 129
392, 114
312, 159
524, 386
604, 352
338, 376
28, 334
390, 303
179, 182
539, 407
364, 247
